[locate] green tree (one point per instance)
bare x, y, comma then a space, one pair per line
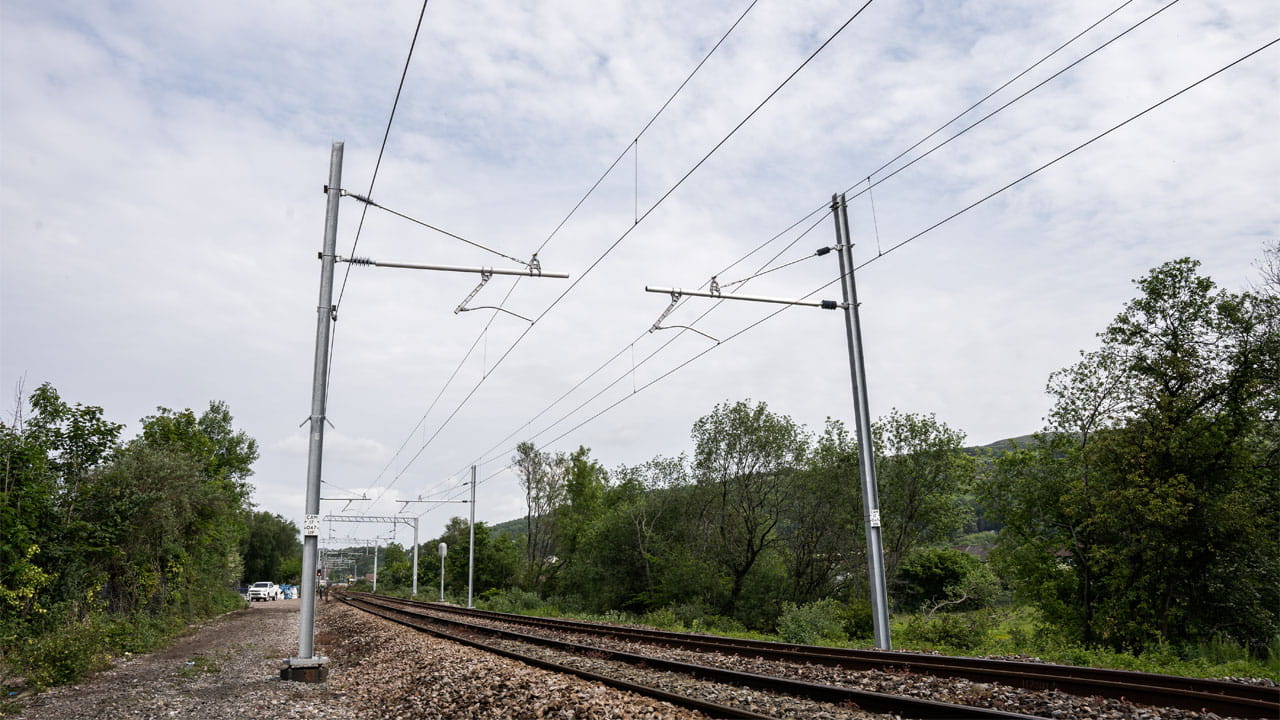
745, 460
923, 475
1163, 502
75, 438
497, 559
822, 526
269, 543
544, 487
585, 483
635, 529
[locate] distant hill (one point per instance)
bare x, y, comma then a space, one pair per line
516, 528
1002, 446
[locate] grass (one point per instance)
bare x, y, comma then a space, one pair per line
1009, 631
1021, 631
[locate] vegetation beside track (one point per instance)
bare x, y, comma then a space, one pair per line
1139, 530
112, 547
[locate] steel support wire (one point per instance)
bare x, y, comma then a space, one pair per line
651, 355
872, 185
913, 237
501, 306
333, 335
670, 191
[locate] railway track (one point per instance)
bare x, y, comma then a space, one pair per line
826, 699
1219, 697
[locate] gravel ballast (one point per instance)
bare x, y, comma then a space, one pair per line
228, 669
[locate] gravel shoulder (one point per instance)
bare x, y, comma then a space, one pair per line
228, 668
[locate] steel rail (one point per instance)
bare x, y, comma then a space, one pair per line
905, 706
689, 703
1217, 696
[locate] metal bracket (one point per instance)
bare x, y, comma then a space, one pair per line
485, 275
675, 298
535, 265
715, 287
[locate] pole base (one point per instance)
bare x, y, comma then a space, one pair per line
307, 670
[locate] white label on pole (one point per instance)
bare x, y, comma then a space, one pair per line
875, 518
311, 525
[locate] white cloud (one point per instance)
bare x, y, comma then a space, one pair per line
160, 211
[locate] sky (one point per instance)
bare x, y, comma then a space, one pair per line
161, 209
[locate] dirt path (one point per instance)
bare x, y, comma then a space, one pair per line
228, 669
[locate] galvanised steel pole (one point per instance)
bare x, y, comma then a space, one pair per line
862, 415
471, 545
306, 659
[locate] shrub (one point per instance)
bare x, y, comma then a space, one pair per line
514, 600
963, 631
821, 621
857, 621
929, 576
60, 657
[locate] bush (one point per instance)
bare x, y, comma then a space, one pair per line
514, 600
962, 631
858, 621
821, 621
929, 576
60, 657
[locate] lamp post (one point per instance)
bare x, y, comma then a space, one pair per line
444, 548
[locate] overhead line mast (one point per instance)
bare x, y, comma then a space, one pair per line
861, 411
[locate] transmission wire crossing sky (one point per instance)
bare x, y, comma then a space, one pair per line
160, 213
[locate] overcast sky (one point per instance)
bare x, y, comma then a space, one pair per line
161, 168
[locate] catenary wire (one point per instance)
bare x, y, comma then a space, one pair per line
1006, 84
580, 202
986, 117
871, 185
628, 231
480, 460
911, 238
333, 334
810, 256
917, 144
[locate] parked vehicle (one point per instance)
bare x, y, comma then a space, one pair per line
264, 591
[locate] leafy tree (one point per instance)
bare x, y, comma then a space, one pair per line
585, 483
97, 532
28, 521
497, 559
632, 531
745, 461
269, 544
226, 454
937, 578
923, 474
544, 488
1160, 500
822, 526
75, 438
